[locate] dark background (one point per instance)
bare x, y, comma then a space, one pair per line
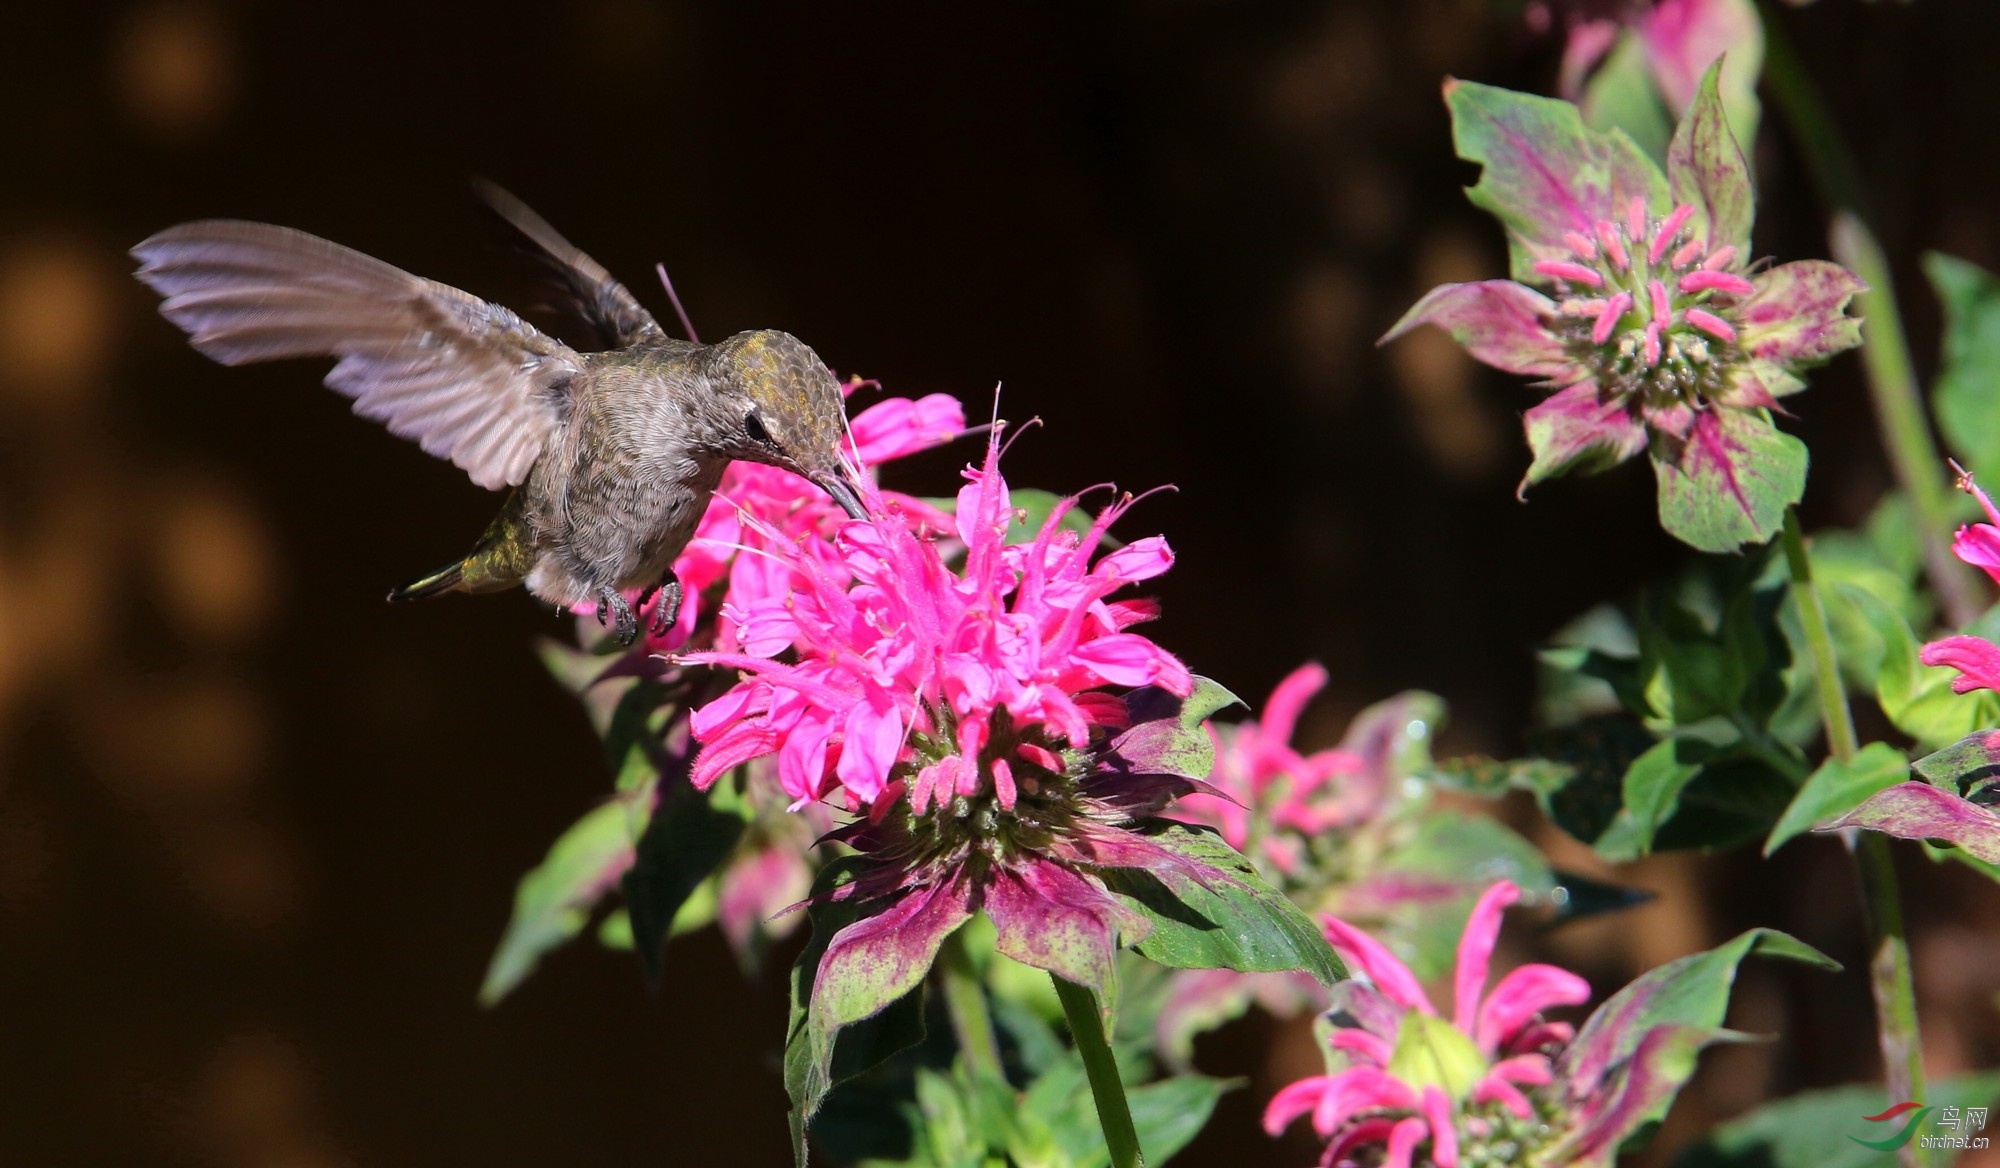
259, 832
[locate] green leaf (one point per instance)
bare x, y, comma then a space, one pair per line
1621, 95
818, 1057
1238, 922
552, 903
1729, 483
1971, 762
1837, 788
1813, 1128
1687, 999
1167, 736
1545, 173
1967, 392
1653, 788
685, 842
1171, 1113
1706, 164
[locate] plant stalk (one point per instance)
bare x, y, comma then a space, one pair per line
1114, 1115
1889, 975
1833, 712
965, 1002
1891, 376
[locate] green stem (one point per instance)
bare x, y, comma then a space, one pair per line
1833, 711
1889, 974
1086, 1028
1892, 378
1889, 968
965, 1001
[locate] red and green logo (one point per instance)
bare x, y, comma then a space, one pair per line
1902, 1137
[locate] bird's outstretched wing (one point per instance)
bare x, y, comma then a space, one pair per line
604, 304
467, 380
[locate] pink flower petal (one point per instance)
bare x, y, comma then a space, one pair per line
1520, 996
1475, 951
1366, 954
1977, 662
1403, 1141
1498, 322
1281, 709
898, 426
1438, 1116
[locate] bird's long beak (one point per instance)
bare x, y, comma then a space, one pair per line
843, 493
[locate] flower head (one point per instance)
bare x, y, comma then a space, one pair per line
959, 693
1467, 1090
1634, 298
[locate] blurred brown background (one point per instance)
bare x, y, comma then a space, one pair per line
259, 832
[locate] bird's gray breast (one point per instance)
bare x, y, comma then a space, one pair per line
627, 477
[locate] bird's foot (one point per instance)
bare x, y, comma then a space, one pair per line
668, 610
611, 605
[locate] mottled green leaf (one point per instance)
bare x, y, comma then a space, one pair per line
1728, 484
1546, 173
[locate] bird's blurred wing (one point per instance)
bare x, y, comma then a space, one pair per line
588, 290
467, 380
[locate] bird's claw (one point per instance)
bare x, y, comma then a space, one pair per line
668, 610
624, 627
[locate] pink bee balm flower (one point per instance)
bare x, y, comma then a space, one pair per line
1275, 801
1978, 544
975, 712
1636, 301
912, 677
1405, 1079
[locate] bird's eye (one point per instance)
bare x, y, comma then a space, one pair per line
754, 426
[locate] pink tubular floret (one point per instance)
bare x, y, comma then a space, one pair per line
1705, 280
1635, 219
1686, 254
1607, 320
1720, 258
1711, 324
1607, 235
1574, 273
1581, 244
1657, 293
1664, 237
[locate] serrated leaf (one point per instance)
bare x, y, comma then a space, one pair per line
1545, 172
1682, 1002
552, 903
1728, 484
819, 1055
1167, 736
1837, 788
1239, 922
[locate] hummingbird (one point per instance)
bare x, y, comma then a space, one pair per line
610, 455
